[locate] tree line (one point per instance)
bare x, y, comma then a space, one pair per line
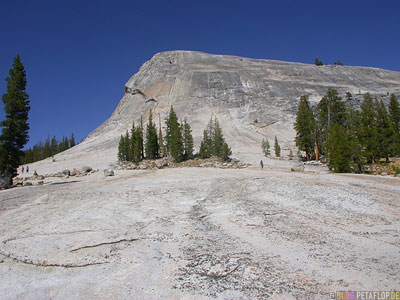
348, 138
140, 143
48, 148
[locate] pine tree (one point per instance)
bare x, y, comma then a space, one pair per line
15, 127
151, 146
385, 133
174, 136
368, 131
353, 132
160, 138
340, 151
205, 145
305, 128
53, 146
318, 62
219, 147
72, 141
136, 144
265, 147
394, 113
277, 148
187, 140
121, 149
330, 110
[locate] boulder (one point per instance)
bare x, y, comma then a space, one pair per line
27, 183
75, 172
108, 172
86, 169
5, 181
297, 168
66, 172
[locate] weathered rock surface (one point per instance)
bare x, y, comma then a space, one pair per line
252, 99
199, 233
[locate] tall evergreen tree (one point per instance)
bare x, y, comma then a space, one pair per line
160, 138
277, 148
151, 146
72, 141
205, 145
136, 144
187, 140
121, 149
352, 130
305, 128
394, 113
15, 127
368, 131
219, 147
265, 147
385, 133
174, 136
330, 110
340, 151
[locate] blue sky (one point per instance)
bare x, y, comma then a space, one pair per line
79, 54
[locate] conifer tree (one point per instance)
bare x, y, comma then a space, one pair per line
385, 133
265, 147
330, 110
72, 141
205, 145
352, 130
277, 148
151, 145
174, 136
368, 131
340, 151
305, 128
121, 149
53, 146
136, 144
394, 113
14, 133
187, 140
160, 138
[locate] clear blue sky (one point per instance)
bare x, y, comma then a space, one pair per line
79, 54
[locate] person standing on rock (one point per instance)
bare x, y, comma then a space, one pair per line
27, 169
22, 171
261, 164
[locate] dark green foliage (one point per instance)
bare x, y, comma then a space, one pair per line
385, 134
277, 148
151, 146
173, 136
394, 113
305, 128
352, 131
187, 141
368, 130
205, 145
15, 127
265, 147
213, 143
130, 146
47, 149
122, 155
340, 150
330, 110
318, 62
136, 143
338, 63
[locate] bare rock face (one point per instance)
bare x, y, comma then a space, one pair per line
251, 98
